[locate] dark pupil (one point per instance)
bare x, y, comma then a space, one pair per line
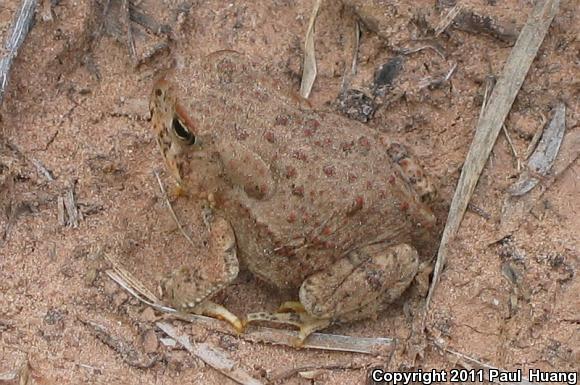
183, 132
158, 92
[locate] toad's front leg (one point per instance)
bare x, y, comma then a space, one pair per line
353, 288
192, 295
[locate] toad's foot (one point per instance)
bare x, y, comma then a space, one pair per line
190, 293
292, 313
214, 310
353, 288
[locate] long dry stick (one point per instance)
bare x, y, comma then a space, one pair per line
15, 38
491, 121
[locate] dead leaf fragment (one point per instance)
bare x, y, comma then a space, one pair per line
309, 72
543, 158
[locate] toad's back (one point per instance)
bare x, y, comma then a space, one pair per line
300, 188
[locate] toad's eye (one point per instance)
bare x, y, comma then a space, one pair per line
158, 92
182, 132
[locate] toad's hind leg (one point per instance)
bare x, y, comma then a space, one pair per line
192, 295
353, 288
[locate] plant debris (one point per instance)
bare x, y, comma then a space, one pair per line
309, 72
16, 37
211, 355
541, 161
491, 121
112, 336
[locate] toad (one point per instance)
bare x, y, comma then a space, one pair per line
306, 200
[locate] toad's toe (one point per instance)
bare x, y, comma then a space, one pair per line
292, 313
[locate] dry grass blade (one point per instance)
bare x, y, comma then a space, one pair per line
512, 148
130, 283
378, 346
321, 341
15, 38
138, 293
469, 363
171, 211
355, 48
350, 72
309, 71
491, 121
214, 357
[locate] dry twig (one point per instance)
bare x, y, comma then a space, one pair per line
125, 13
42, 170
15, 38
491, 121
70, 205
130, 354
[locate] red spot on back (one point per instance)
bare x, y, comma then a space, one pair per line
269, 136
329, 170
281, 120
290, 172
313, 123
364, 142
298, 191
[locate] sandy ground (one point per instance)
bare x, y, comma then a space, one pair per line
77, 107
